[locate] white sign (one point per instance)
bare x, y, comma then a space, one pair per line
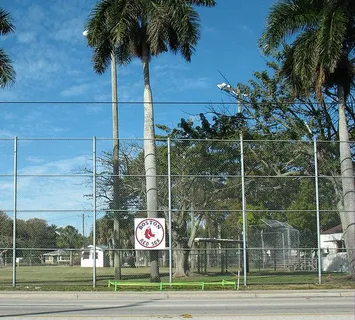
149, 233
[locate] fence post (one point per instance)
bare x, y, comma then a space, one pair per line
243, 208
317, 210
94, 210
170, 218
15, 217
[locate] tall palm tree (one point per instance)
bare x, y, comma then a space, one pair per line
7, 72
98, 37
322, 55
145, 29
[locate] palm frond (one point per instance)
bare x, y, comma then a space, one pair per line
96, 23
101, 57
123, 17
293, 80
301, 61
7, 72
6, 25
287, 18
331, 37
205, 3
185, 30
324, 33
104, 36
128, 26
158, 28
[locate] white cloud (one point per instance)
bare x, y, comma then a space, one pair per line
64, 166
49, 186
182, 82
208, 29
245, 28
165, 68
194, 83
35, 66
69, 30
76, 90
102, 97
6, 186
34, 159
94, 109
7, 115
6, 134
34, 121
8, 94
26, 37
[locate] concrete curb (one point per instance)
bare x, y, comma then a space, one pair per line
215, 295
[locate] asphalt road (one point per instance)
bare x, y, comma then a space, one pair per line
289, 305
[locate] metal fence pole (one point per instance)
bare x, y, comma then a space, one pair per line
242, 175
244, 216
94, 210
317, 210
170, 222
15, 218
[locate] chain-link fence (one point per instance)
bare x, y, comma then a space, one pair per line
267, 210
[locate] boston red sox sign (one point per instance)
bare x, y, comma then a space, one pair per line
149, 233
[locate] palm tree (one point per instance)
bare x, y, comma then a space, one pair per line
69, 238
145, 29
98, 37
321, 56
7, 73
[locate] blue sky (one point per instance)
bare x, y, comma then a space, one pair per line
53, 64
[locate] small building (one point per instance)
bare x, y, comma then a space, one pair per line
334, 256
56, 257
331, 240
87, 256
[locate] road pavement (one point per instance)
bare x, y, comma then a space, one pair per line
207, 305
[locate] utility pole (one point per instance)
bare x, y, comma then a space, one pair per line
236, 93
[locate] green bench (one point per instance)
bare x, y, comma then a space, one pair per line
162, 285
182, 284
117, 283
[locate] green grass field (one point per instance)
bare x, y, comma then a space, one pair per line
78, 278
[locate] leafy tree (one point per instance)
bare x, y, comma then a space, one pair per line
197, 187
194, 193
6, 231
321, 55
69, 238
204, 180
142, 29
306, 221
5, 235
7, 72
273, 168
34, 234
129, 193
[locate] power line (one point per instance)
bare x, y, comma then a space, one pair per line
168, 102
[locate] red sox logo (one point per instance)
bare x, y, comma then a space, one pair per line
149, 233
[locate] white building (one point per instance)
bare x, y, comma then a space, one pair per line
334, 256
87, 257
331, 240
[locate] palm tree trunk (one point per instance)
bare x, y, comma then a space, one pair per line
150, 161
347, 215
115, 171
